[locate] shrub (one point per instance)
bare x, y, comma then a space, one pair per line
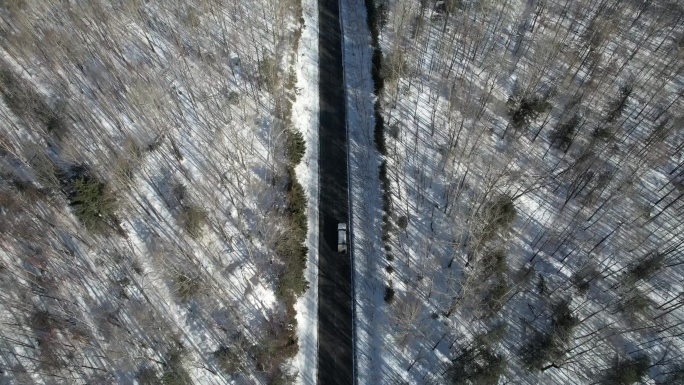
627, 372
292, 74
582, 279
174, 372
548, 347
44, 169
394, 66
56, 126
296, 146
541, 284
379, 131
494, 263
386, 205
179, 191
449, 7
374, 22
192, 218
29, 104
402, 222
18, 97
127, 160
277, 345
268, 73
289, 247
228, 360
186, 287
147, 376
132, 149
563, 134
496, 334
524, 110
171, 377
9, 203
493, 299
234, 98
124, 168
92, 202
635, 305
192, 20
389, 294
283, 109
43, 323
394, 131
478, 366
498, 216
602, 133
296, 205
616, 108
645, 268
54, 356
291, 281
563, 322
538, 351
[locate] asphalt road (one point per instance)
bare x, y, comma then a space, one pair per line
335, 365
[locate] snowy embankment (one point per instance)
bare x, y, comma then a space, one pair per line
366, 202
305, 118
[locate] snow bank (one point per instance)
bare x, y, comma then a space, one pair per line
305, 118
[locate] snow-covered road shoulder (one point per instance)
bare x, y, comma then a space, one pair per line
305, 117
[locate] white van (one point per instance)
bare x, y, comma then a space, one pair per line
341, 237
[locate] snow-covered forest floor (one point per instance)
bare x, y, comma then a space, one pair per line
535, 162
151, 228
